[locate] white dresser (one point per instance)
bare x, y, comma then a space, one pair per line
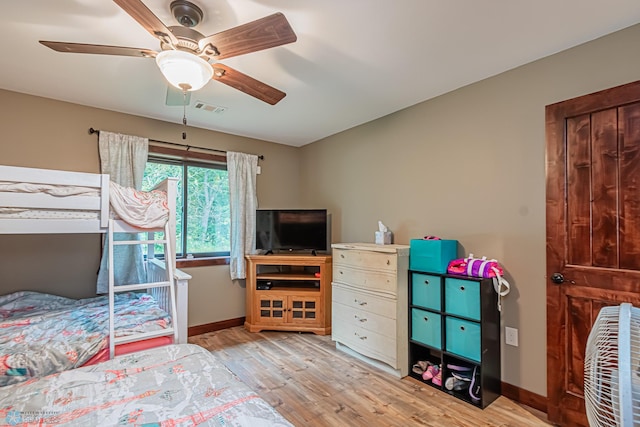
369, 303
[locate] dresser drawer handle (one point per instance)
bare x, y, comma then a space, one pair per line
341, 255
361, 337
462, 328
360, 302
426, 319
462, 288
426, 281
388, 262
360, 319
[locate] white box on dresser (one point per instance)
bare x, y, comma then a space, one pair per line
369, 303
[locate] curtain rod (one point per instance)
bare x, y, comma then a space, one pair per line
92, 131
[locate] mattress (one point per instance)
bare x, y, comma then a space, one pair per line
176, 385
63, 214
57, 191
51, 189
145, 209
41, 334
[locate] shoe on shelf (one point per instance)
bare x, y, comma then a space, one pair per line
458, 368
420, 366
431, 372
456, 384
437, 379
462, 376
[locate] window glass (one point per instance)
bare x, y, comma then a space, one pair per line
154, 173
208, 217
202, 223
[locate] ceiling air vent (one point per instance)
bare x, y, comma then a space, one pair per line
210, 108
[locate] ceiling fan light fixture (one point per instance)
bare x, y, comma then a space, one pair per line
184, 70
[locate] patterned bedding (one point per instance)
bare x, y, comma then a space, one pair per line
175, 385
52, 190
41, 334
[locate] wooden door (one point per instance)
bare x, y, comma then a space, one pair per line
593, 230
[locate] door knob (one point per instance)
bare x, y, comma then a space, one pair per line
557, 278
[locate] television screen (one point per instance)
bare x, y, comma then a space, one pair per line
291, 229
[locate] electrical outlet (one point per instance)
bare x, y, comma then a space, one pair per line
511, 336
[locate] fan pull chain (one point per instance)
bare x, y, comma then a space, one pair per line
184, 112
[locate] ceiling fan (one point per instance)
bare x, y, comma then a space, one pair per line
183, 46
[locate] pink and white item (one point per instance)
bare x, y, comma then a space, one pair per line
144, 209
483, 268
475, 267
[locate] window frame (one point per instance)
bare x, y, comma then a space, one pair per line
185, 158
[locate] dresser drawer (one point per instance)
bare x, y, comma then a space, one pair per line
366, 279
462, 297
386, 307
463, 338
426, 327
426, 290
345, 315
368, 343
366, 260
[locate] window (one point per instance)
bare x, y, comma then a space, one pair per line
203, 218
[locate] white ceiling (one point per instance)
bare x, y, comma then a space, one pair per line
354, 60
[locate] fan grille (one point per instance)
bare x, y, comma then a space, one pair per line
612, 368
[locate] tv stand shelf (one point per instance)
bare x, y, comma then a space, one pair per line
284, 276
289, 293
293, 289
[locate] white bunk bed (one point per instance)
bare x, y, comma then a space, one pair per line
44, 201
172, 384
26, 209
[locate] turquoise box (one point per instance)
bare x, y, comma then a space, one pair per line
432, 256
426, 290
426, 327
462, 297
463, 338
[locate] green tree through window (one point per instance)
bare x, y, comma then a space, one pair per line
203, 218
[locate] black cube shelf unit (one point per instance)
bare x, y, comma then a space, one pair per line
454, 322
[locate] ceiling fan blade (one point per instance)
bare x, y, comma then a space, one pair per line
141, 13
246, 84
99, 49
270, 31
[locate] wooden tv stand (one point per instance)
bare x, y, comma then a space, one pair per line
289, 293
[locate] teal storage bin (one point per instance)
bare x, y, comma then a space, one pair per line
426, 328
426, 291
463, 338
432, 256
462, 297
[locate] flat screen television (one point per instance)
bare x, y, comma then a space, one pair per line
291, 230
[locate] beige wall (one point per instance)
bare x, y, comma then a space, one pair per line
470, 165
39, 132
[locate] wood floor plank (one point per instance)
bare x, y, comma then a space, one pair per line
311, 383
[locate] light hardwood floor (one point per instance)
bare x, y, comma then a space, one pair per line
312, 384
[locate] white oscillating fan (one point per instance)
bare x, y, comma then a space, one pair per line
612, 369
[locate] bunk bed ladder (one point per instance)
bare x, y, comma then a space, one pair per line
117, 226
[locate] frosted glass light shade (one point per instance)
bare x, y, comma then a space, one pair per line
184, 70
